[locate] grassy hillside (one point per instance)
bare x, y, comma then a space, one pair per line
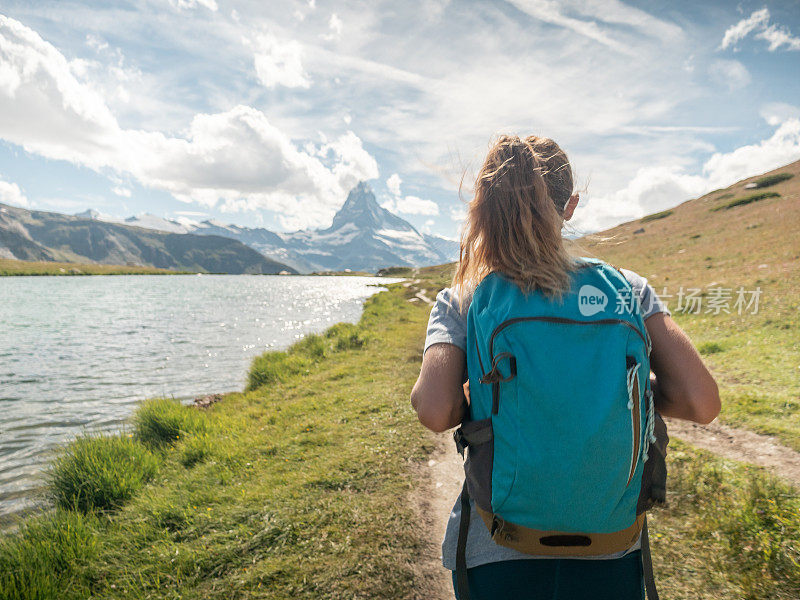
26, 267
299, 486
730, 239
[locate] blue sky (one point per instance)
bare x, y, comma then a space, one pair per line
266, 114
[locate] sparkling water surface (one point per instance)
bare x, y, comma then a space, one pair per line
78, 353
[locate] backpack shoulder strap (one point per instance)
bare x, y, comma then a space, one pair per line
647, 565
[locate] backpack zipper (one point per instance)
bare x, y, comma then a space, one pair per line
562, 320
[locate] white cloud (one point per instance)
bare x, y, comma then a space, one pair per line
352, 162
95, 43
279, 62
598, 20
393, 184
776, 113
209, 4
236, 159
433, 9
411, 205
652, 189
552, 12
743, 28
121, 191
656, 188
776, 35
723, 169
11, 194
458, 213
335, 28
729, 73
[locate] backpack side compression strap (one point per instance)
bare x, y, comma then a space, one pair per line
462, 584
559, 543
647, 565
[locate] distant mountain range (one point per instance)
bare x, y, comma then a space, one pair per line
362, 237
39, 235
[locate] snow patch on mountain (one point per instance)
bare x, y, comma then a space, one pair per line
149, 221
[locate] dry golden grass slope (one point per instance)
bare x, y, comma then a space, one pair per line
700, 244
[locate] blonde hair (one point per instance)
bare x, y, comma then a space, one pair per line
514, 221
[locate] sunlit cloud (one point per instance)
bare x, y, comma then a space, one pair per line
278, 63
209, 4
655, 188
11, 194
775, 35
393, 184
237, 159
729, 73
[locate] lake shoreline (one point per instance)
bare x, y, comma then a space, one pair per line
82, 353
28, 268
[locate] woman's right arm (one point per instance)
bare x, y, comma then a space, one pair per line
683, 386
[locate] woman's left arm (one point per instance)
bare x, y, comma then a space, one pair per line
438, 395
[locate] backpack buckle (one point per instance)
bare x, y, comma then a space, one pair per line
497, 525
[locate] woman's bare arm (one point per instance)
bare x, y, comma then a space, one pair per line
683, 386
438, 395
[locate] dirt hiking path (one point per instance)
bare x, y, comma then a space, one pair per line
742, 445
442, 476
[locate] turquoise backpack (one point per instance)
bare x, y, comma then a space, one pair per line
565, 450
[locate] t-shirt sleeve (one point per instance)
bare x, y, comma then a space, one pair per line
649, 301
447, 323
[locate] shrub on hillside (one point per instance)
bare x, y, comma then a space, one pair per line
655, 216
710, 348
769, 180
272, 367
312, 346
163, 421
746, 200
100, 472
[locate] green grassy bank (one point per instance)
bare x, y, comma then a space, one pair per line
26, 267
298, 487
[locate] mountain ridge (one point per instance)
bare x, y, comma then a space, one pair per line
49, 236
363, 236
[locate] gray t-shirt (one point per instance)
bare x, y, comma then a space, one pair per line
448, 324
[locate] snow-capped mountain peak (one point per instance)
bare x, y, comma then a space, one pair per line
361, 209
362, 237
